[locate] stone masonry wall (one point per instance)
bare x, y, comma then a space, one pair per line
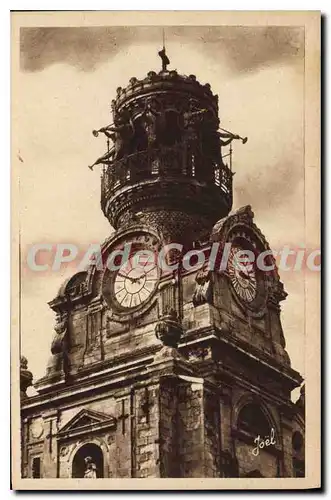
191, 429
146, 432
169, 431
211, 435
266, 463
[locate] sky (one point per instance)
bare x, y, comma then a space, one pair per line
67, 79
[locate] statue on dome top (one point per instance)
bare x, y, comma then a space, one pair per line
164, 58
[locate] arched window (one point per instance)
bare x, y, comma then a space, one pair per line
251, 419
88, 462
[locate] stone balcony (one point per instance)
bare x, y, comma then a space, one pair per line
157, 172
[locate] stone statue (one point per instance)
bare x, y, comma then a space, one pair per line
215, 142
228, 136
202, 293
191, 133
121, 134
106, 158
191, 127
60, 344
191, 118
90, 469
153, 121
164, 58
23, 363
25, 376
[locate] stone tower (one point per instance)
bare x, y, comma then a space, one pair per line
175, 366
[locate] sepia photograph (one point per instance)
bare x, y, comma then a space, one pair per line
166, 250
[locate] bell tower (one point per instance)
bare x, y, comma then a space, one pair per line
176, 370
165, 169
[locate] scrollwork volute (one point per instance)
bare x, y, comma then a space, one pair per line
168, 329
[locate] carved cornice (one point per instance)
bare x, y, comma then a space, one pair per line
160, 85
238, 347
124, 370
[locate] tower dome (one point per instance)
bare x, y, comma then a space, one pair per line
165, 168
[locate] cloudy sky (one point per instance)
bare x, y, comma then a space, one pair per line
67, 79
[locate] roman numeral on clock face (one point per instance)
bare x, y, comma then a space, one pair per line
242, 275
134, 285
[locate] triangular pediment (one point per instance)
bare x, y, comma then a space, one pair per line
87, 419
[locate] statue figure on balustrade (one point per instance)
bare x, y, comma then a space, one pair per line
154, 121
228, 136
120, 132
192, 118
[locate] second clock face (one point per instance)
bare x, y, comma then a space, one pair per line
134, 285
242, 274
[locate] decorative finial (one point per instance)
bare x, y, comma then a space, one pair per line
25, 377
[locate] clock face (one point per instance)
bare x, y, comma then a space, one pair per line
135, 284
130, 282
242, 274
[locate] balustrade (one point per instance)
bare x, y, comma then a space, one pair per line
178, 161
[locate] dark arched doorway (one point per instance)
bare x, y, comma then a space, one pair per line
79, 463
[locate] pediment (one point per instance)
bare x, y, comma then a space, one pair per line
87, 421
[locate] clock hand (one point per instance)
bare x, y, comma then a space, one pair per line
137, 278
126, 277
